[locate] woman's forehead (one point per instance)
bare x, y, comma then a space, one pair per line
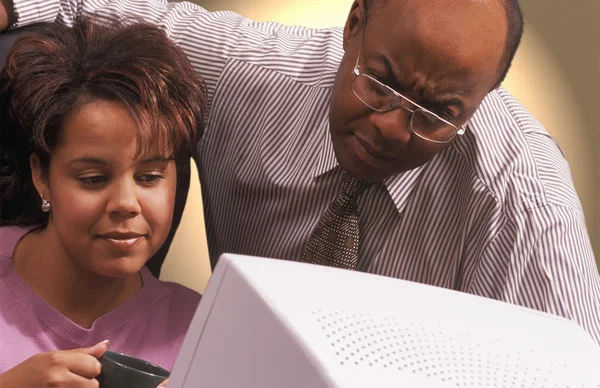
104, 126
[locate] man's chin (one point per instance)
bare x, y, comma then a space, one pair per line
358, 170
359, 164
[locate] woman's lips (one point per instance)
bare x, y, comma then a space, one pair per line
122, 241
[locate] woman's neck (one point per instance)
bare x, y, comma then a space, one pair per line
80, 295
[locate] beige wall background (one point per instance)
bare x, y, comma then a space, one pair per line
556, 75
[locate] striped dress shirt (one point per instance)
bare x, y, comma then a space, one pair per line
495, 214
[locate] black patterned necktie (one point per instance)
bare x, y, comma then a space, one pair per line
334, 241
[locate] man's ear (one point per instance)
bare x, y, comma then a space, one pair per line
354, 21
39, 176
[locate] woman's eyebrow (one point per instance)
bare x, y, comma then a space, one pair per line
88, 160
155, 159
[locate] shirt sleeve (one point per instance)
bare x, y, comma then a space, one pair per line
543, 259
208, 39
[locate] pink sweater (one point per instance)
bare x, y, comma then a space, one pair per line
151, 325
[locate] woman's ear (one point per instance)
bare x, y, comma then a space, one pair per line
39, 176
354, 21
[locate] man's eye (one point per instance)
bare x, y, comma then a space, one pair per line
447, 115
381, 79
93, 180
442, 112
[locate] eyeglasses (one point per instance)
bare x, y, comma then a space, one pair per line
381, 98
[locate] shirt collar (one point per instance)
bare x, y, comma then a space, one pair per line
399, 186
325, 156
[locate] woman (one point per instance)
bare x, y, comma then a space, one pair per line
95, 120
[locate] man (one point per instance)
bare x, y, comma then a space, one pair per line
434, 173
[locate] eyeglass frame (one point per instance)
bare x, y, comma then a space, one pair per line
459, 130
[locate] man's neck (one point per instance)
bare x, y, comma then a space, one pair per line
7, 14
78, 294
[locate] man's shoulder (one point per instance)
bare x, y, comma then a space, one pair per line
309, 56
515, 157
282, 39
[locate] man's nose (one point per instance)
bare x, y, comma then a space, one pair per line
393, 124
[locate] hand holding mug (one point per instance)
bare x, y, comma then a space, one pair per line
67, 368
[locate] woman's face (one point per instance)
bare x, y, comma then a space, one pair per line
109, 212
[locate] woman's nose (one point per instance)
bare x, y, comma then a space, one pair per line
123, 200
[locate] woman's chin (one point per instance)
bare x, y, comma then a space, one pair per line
122, 269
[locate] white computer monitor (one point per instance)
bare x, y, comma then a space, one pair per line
269, 323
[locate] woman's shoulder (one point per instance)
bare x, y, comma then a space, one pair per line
181, 295
172, 295
9, 237
178, 305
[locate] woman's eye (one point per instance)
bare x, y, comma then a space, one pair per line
93, 180
150, 178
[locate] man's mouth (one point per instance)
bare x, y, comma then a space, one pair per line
374, 151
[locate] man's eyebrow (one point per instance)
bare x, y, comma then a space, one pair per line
389, 72
451, 100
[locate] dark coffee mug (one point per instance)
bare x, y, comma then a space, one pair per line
124, 371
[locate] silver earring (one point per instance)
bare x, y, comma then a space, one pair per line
45, 205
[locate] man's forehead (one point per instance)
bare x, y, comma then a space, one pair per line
407, 74
425, 4
471, 21
435, 40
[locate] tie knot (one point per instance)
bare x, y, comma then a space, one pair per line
353, 188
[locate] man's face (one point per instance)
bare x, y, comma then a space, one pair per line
441, 54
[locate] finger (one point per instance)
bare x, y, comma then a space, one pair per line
81, 364
163, 384
95, 351
77, 381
